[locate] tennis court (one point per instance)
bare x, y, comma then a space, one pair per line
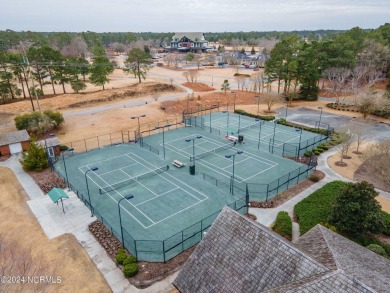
163, 209
160, 194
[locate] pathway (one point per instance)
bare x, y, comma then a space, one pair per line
76, 219
268, 216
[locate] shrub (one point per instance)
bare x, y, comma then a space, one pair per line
386, 221
283, 225
38, 123
316, 208
130, 270
317, 153
120, 250
35, 158
308, 153
377, 249
63, 147
314, 178
120, 257
54, 116
266, 118
325, 147
130, 259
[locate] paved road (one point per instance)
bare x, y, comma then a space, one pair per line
377, 132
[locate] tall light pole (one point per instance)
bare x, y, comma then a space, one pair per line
258, 144
227, 123
234, 157
258, 104
137, 117
286, 109
319, 122
234, 105
86, 182
63, 160
239, 123
127, 197
163, 128
193, 146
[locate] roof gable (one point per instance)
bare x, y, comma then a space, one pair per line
240, 255
192, 36
353, 259
14, 137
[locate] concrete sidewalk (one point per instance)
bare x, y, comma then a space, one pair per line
75, 220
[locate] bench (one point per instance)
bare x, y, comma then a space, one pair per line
177, 164
232, 138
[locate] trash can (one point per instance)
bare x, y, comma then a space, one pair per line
240, 138
192, 169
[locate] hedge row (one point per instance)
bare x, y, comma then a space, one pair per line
283, 121
317, 207
243, 112
283, 225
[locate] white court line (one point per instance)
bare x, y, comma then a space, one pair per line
167, 174
98, 162
202, 163
167, 179
152, 198
118, 169
230, 165
135, 218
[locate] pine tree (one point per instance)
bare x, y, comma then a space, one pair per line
35, 158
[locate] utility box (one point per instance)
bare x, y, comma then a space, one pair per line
192, 169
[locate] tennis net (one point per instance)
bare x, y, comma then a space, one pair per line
216, 150
115, 186
256, 125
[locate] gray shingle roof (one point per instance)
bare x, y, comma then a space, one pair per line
335, 282
50, 142
191, 36
239, 255
341, 253
14, 137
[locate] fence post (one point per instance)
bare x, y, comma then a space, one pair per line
122, 136
135, 248
266, 198
164, 249
110, 140
85, 144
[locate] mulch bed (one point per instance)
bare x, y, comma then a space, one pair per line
47, 179
4, 158
149, 272
288, 194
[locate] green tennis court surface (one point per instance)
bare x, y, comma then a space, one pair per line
158, 209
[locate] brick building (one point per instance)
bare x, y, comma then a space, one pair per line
14, 142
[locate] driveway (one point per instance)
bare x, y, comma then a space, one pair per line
377, 132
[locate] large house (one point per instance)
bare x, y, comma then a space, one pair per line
188, 42
241, 255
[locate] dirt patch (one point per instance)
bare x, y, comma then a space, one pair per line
367, 173
250, 216
198, 87
209, 99
19, 226
149, 272
288, 194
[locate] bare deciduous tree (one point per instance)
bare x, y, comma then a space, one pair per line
194, 75
346, 139
270, 100
360, 132
241, 81
366, 102
337, 77
377, 157
186, 74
